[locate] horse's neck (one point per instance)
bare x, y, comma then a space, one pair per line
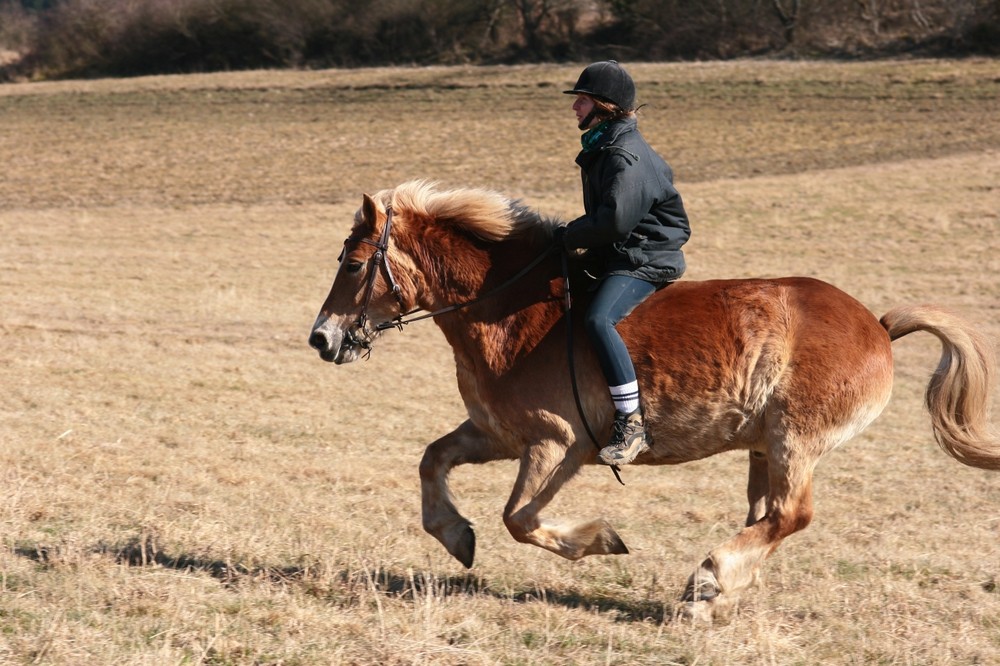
494, 346
509, 322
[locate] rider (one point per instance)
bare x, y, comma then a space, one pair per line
634, 223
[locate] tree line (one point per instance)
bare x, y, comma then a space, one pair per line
82, 38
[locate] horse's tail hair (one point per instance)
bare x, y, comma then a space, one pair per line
958, 395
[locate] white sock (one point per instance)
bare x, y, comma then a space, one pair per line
625, 397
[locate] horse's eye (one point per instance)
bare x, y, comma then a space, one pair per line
353, 266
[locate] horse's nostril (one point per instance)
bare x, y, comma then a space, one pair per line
319, 341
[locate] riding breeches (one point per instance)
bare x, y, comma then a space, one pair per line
616, 297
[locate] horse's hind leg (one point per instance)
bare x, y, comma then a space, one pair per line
465, 444
714, 588
545, 467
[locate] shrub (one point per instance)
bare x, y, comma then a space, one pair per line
79, 38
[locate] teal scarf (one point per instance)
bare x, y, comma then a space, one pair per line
593, 136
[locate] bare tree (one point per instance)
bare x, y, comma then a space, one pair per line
871, 11
493, 9
541, 19
788, 13
917, 14
531, 14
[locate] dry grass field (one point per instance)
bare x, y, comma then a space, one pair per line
183, 481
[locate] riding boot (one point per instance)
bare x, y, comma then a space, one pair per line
628, 439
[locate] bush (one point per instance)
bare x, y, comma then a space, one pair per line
86, 38
83, 38
17, 32
109, 37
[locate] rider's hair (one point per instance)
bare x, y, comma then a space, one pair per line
609, 110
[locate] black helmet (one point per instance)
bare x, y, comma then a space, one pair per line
606, 80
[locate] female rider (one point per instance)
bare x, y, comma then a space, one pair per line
635, 225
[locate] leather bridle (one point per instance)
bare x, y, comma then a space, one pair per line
380, 256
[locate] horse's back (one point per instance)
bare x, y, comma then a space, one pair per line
717, 358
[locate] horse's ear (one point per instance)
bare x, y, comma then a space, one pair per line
369, 211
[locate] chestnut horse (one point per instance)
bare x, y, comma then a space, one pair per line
786, 369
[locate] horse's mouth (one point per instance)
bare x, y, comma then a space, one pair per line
353, 343
346, 354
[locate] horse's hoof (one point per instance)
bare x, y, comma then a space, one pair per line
704, 591
611, 543
696, 611
465, 549
718, 610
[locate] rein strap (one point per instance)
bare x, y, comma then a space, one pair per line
400, 320
570, 356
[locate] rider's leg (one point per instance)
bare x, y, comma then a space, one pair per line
616, 297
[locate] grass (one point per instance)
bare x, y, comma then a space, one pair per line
183, 481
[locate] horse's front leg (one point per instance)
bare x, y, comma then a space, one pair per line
545, 467
757, 487
465, 444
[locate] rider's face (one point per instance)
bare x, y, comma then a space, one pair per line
582, 106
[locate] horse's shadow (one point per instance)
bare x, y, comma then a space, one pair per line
347, 583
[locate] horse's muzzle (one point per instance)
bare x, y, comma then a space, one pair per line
318, 341
334, 346
322, 342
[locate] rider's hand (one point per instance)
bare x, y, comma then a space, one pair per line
559, 236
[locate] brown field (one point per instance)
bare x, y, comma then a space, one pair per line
184, 481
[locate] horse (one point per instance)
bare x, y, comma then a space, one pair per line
786, 369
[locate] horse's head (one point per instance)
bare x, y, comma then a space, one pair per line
446, 250
365, 294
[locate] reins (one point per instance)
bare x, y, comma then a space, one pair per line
380, 256
400, 320
570, 356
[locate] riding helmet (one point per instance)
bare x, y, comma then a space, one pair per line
606, 80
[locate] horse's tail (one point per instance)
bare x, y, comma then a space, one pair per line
958, 393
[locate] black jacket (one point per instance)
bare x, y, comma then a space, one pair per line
634, 221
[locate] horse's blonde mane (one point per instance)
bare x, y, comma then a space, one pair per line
488, 214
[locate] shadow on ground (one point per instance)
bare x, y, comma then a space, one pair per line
345, 587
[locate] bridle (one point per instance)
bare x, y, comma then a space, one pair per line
380, 256
377, 258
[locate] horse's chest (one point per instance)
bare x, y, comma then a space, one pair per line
482, 404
